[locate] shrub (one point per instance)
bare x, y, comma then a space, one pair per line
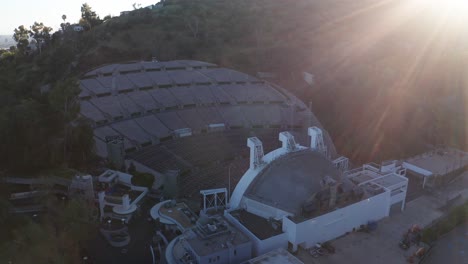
143, 179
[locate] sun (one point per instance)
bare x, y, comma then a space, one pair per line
456, 8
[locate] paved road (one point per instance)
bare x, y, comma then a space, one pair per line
451, 248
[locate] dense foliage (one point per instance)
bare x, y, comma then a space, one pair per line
454, 218
39, 123
56, 237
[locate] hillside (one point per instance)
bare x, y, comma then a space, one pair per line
389, 76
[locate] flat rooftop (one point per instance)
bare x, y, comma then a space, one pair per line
218, 241
259, 226
278, 256
362, 176
440, 161
390, 180
180, 213
386, 181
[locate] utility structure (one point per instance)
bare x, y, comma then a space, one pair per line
214, 199
256, 152
316, 140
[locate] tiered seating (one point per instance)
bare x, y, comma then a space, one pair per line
101, 147
151, 65
102, 132
117, 83
188, 77
210, 115
171, 120
238, 92
192, 119
132, 131
203, 94
107, 104
129, 67
91, 112
192, 63
84, 93
129, 105
267, 91
221, 96
273, 114
252, 93
160, 78
206, 179
93, 86
153, 126
204, 149
256, 115
169, 65
233, 116
290, 117
140, 79
226, 75
144, 100
256, 93
106, 69
184, 95
164, 97
157, 158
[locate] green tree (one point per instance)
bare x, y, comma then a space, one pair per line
65, 24
40, 32
63, 99
89, 17
21, 36
58, 238
80, 144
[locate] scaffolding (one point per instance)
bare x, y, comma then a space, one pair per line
214, 199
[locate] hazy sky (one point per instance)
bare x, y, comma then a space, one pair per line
14, 13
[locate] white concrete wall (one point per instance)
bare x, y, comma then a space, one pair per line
124, 177
260, 246
262, 210
416, 169
337, 223
388, 167
143, 191
272, 243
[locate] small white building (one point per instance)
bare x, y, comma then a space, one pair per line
438, 166
78, 28
118, 197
